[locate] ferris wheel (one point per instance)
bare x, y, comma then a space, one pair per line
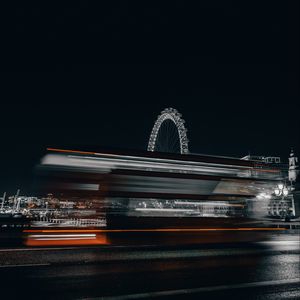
169, 133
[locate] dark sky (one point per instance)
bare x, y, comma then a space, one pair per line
81, 74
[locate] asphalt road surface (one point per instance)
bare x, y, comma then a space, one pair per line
263, 270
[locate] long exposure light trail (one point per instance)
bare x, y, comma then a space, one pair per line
157, 230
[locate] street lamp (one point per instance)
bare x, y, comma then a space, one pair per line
281, 190
283, 209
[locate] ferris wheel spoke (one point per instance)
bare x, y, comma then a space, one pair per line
174, 139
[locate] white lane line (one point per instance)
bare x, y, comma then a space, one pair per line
202, 289
24, 265
279, 242
38, 249
72, 248
153, 254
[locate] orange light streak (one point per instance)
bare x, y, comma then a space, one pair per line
153, 230
62, 242
71, 151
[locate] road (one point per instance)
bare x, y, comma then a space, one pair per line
263, 270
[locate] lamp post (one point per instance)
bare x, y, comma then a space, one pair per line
282, 191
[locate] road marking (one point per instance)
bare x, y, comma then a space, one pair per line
25, 265
283, 242
38, 249
153, 248
201, 289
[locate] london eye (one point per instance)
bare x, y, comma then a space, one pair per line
169, 133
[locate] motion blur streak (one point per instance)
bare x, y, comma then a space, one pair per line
79, 236
71, 151
167, 230
199, 164
65, 239
63, 230
143, 198
140, 236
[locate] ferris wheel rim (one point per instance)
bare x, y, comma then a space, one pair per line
173, 115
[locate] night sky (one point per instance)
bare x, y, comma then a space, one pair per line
86, 75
